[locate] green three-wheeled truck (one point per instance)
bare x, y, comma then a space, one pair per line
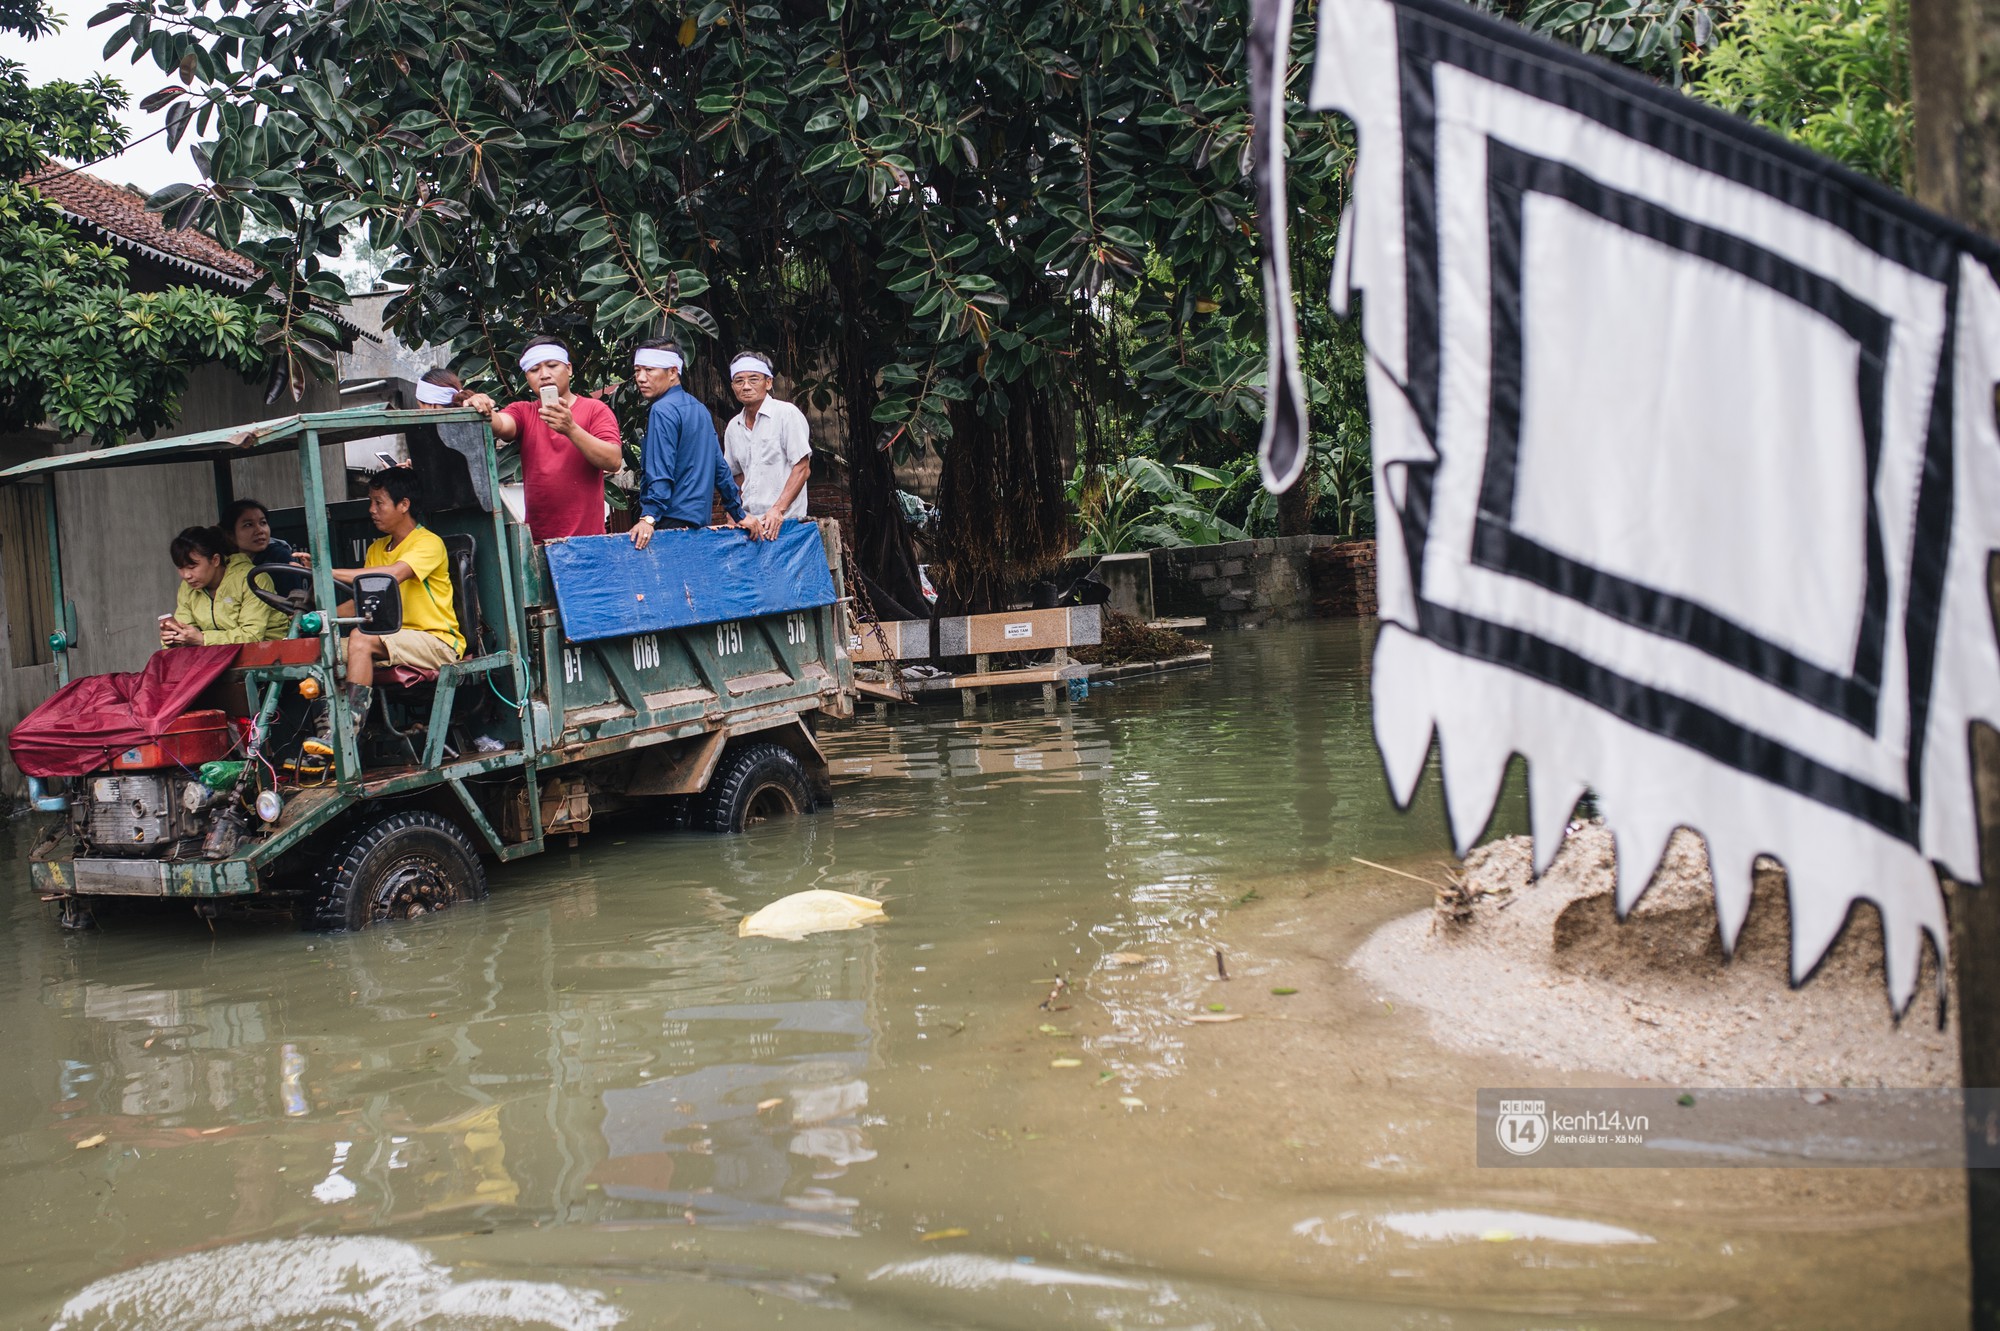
576, 697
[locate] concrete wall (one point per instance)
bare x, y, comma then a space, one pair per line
1244, 584
386, 357
117, 524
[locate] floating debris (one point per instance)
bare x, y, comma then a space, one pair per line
1455, 899
813, 912
1124, 640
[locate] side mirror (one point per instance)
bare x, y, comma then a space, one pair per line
378, 602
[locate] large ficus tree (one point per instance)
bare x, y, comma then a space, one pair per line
928, 210
78, 348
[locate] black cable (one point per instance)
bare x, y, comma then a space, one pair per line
70, 171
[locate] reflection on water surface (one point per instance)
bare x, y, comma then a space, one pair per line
588, 1103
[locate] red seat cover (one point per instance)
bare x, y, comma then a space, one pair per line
89, 719
404, 677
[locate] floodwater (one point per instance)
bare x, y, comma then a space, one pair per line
588, 1103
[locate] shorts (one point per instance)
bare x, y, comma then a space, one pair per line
419, 650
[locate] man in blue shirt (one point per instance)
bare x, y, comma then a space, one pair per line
681, 458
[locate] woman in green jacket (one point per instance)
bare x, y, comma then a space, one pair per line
215, 603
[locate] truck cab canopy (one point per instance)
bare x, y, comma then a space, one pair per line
446, 448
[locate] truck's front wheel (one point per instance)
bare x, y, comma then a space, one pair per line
752, 784
397, 867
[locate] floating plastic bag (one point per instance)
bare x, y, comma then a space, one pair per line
815, 912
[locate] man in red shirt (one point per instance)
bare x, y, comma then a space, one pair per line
568, 444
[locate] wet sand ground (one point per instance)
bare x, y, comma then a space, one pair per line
1544, 971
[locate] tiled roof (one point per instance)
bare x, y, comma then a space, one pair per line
122, 214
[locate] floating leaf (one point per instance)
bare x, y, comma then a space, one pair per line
1131, 1102
95, 1139
1209, 1018
1125, 959
1218, 1007
936, 1234
1065, 1062
1284, 991
771, 1103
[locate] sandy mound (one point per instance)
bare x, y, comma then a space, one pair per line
1545, 971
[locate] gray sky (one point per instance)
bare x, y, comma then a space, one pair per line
76, 53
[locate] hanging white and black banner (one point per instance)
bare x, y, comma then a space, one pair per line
1685, 465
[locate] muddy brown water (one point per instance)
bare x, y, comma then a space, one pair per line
588, 1103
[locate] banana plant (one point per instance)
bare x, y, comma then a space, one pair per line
1138, 503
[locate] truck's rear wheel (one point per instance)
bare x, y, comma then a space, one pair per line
397, 867
751, 785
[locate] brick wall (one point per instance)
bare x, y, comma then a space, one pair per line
829, 499
1342, 578
824, 499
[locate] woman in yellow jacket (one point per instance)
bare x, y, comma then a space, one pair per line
215, 603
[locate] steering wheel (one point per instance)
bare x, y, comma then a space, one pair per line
295, 602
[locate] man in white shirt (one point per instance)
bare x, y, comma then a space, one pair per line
767, 446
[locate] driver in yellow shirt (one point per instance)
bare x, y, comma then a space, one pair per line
415, 555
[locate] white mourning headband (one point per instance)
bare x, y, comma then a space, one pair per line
435, 395
657, 359
750, 363
540, 352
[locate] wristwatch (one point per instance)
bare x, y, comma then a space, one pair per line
647, 518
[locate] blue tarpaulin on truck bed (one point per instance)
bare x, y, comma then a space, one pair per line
607, 589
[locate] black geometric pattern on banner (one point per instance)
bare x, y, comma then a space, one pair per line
1513, 174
